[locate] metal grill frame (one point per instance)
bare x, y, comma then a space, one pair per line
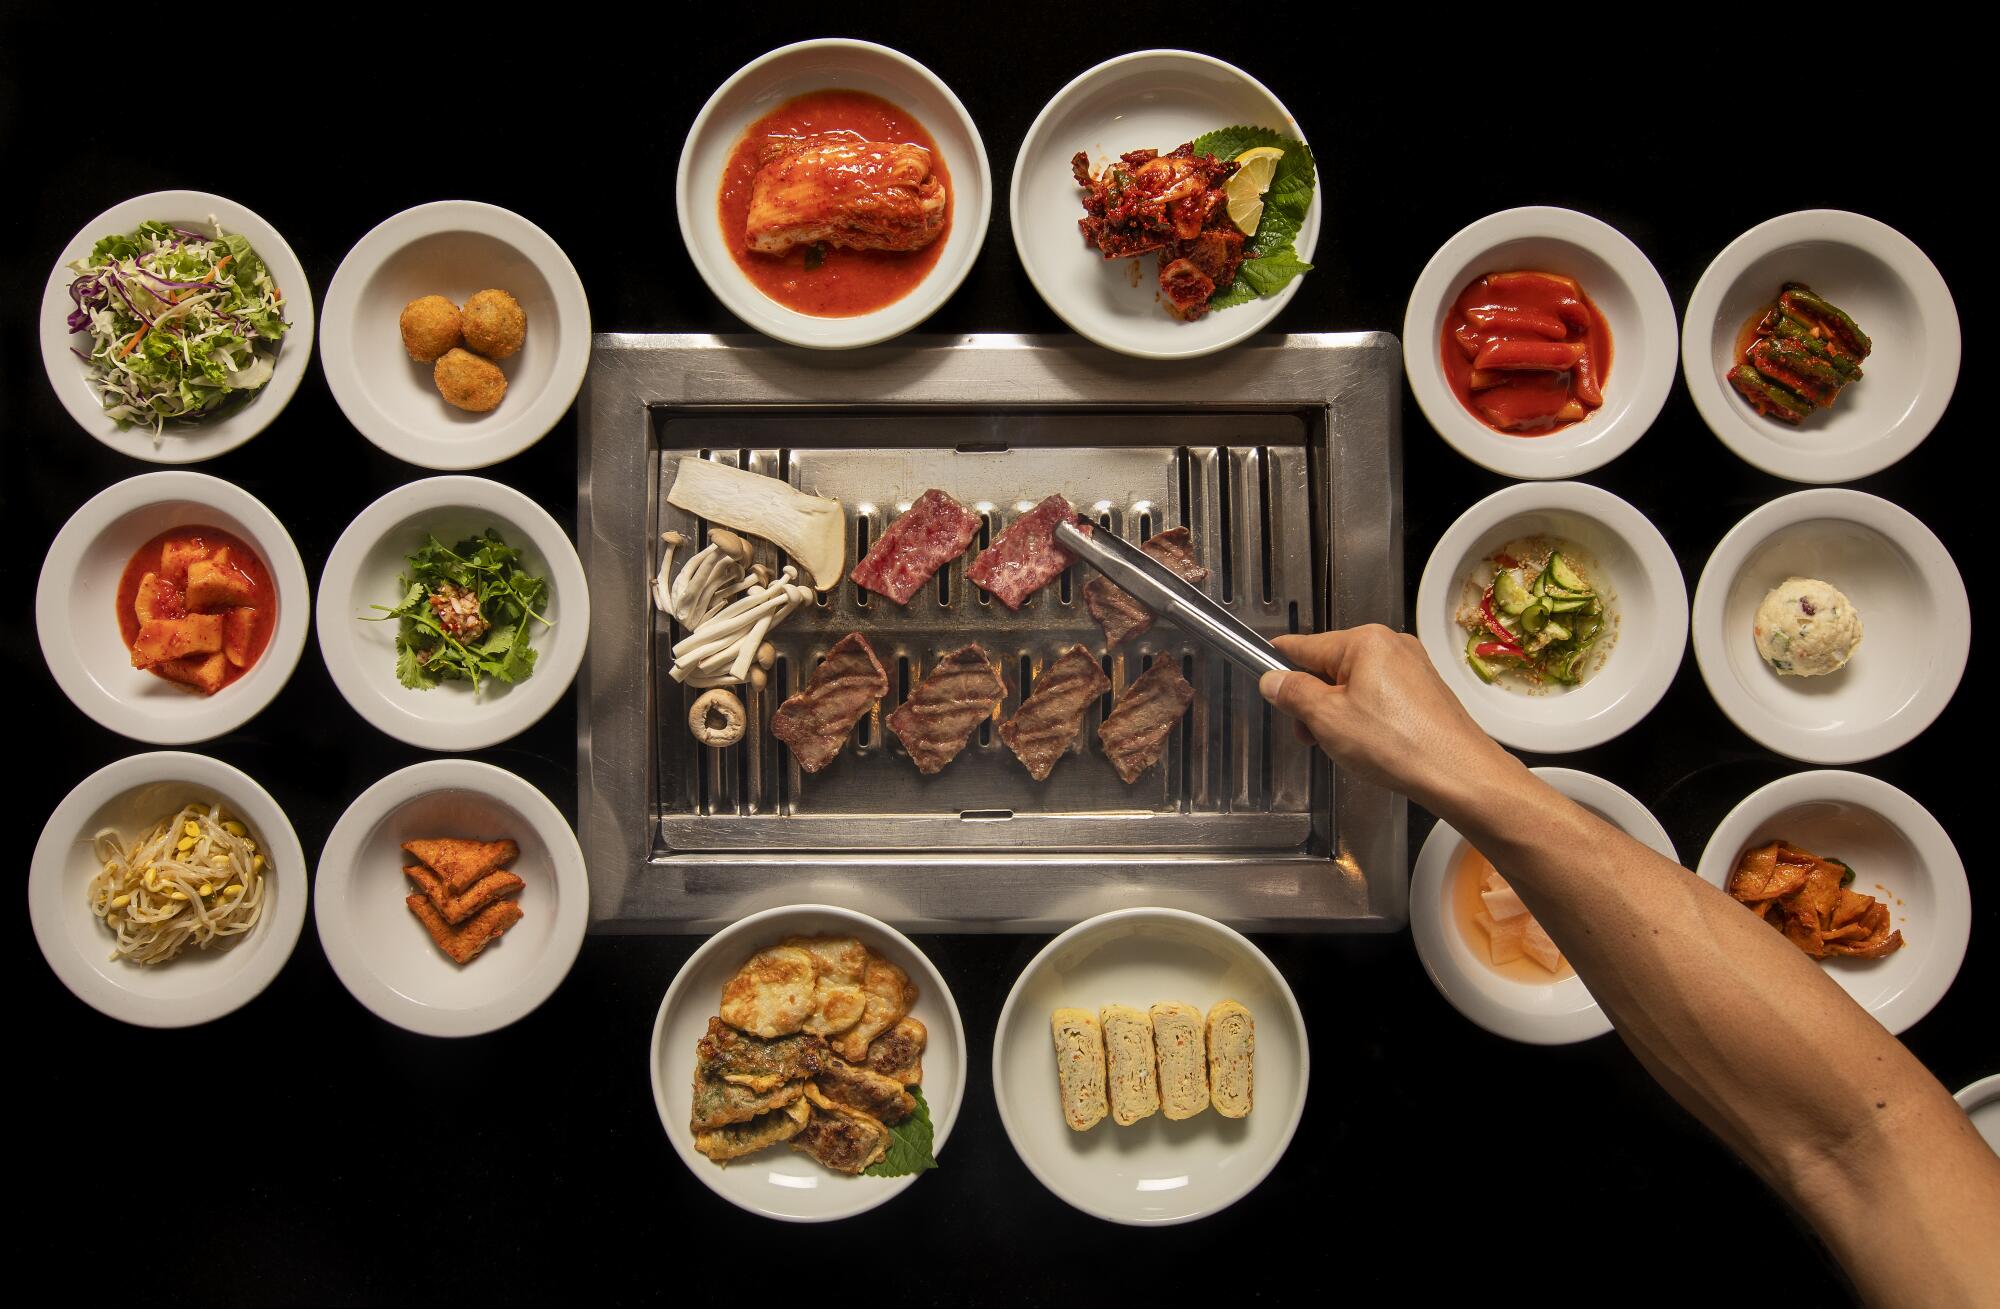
1348, 872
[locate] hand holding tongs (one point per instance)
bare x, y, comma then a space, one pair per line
1156, 586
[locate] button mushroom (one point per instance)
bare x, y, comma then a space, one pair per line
716, 718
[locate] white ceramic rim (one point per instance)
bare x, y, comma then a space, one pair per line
276, 934
727, 283
1977, 1095
187, 444
1508, 718
1017, 1130
237, 703
1739, 428
510, 431
1449, 969
336, 868
528, 701
879, 1190
1579, 447
1933, 561
1945, 871
1255, 317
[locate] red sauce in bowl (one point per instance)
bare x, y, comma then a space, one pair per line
1527, 353
846, 282
251, 633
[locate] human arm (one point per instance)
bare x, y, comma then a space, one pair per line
1736, 1022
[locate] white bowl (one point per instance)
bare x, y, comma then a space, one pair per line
199, 985
76, 607
1625, 558
1981, 1102
1155, 1172
780, 1182
1618, 278
1915, 616
362, 571
1898, 853
453, 248
1548, 1014
1877, 275
784, 74
380, 951
184, 443
1150, 99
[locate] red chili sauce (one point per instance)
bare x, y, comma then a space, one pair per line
846, 282
1527, 352
246, 625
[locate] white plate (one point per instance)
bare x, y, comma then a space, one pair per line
199, 985
822, 65
1891, 842
453, 248
1884, 281
1981, 1102
1915, 617
1552, 1014
186, 443
1147, 100
1154, 1172
76, 607
362, 571
1618, 278
780, 1182
380, 951
1624, 557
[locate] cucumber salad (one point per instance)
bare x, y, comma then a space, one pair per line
179, 323
1537, 618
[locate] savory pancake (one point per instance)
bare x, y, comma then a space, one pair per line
733, 1142
838, 1002
843, 1139
772, 994
899, 1052
737, 1077
889, 997
864, 1089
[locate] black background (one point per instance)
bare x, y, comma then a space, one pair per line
302, 1150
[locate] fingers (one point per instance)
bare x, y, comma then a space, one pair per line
1325, 653
1300, 696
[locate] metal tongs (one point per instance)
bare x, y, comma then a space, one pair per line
1157, 587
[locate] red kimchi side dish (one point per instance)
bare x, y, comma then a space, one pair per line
1526, 352
1807, 898
196, 606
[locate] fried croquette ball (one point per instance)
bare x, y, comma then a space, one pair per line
468, 382
495, 324
431, 325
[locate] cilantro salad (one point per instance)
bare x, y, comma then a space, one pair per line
181, 324
468, 612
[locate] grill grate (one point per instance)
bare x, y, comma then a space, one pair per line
1227, 783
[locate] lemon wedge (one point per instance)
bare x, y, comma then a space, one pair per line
1245, 191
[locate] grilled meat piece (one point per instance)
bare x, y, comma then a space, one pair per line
738, 1076
899, 1052
935, 531
836, 189
940, 715
1136, 730
863, 1089
843, 1139
1024, 558
1041, 730
1118, 613
816, 721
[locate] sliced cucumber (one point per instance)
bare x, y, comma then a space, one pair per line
1565, 576
1486, 671
1555, 631
1508, 592
1566, 606
1534, 616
